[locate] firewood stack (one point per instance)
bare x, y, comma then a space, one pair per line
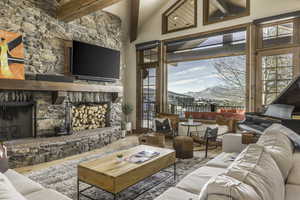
87, 117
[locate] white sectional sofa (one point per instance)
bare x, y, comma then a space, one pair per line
14, 186
268, 170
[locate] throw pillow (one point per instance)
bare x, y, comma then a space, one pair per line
162, 125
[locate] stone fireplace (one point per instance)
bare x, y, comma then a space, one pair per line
29, 121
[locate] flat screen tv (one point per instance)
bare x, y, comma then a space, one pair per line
94, 62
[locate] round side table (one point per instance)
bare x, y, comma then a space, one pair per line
189, 125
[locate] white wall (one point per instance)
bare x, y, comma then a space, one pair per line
151, 30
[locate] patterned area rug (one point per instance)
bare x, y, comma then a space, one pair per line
62, 178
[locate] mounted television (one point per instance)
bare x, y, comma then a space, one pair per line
91, 62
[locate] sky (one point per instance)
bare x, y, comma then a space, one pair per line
192, 76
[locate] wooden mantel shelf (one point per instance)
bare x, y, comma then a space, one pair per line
32, 85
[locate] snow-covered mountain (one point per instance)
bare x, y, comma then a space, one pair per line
215, 93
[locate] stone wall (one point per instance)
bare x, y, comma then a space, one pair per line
43, 37
34, 151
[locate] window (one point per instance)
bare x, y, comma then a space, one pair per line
281, 33
149, 97
182, 15
278, 58
277, 73
147, 83
221, 44
150, 55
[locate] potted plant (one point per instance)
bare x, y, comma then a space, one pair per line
120, 157
127, 110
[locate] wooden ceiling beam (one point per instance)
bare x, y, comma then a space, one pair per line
75, 9
134, 19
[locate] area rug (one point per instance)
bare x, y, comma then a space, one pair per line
63, 178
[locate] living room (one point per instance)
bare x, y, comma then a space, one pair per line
140, 99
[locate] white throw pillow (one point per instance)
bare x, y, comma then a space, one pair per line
227, 188
280, 148
255, 167
7, 190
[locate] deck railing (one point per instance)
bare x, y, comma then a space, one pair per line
181, 109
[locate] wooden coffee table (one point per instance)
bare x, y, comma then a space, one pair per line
108, 174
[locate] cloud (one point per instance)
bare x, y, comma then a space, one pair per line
187, 71
210, 76
182, 82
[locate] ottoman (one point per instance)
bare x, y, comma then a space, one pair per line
183, 146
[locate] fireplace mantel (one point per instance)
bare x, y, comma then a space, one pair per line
32, 85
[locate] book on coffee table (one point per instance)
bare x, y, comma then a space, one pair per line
142, 156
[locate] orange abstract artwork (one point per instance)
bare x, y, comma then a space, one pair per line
11, 56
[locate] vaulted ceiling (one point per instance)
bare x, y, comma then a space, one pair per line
140, 10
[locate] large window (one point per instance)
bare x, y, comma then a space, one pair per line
207, 85
207, 73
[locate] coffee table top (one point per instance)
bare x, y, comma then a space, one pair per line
109, 166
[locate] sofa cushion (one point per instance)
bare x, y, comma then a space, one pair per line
194, 182
223, 160
292, 135
177, 194
3, 159
22, 184
7, 190
255, 167
227, 188
46, 194
294, 176
292, 192
280, 147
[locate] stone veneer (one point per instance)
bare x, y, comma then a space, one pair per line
43, 37
34, 151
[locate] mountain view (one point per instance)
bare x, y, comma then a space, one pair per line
215, 80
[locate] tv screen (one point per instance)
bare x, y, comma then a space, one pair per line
95, 61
